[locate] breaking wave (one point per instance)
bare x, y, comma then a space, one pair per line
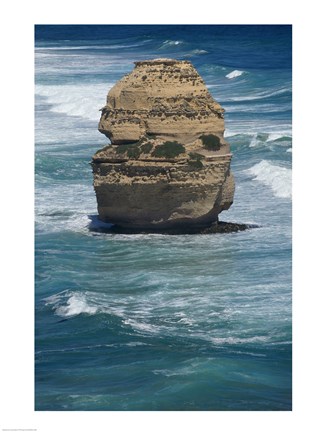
89, 47
64, 207
76, 303
276, 177
261, 95
234, 74
270, 139
170, 44
82, 100
230, 340
195, 52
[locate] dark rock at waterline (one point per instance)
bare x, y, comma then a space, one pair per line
219, 228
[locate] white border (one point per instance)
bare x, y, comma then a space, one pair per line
17, 178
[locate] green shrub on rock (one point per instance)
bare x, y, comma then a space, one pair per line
106, 148
211, 142
146, 148
195, 160
132, 150
169, 149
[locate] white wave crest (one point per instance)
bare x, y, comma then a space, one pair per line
76, 304
199, 51
278, 136
276, 177
141, 326
82, 100
231, 340
270, 139
255, 141
170, 43
88, 47
69, 303
259, 95
196, 52
64, 207
234, 74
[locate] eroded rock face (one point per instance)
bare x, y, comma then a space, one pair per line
168, 163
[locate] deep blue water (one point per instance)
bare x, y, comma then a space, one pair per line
156, 322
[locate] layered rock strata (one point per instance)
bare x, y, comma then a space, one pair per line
168, 164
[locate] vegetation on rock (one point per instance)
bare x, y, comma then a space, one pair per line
195, 160
169, 149
146, 148
211, 142
107, 147
132, 150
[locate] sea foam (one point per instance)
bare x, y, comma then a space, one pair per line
170, 43
82, 100
76, 305
64, 207
231, 340
69, 303
270, 139
278, 136
234, 74
89, 47
259, 95
276, 177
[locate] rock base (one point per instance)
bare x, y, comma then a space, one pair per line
217, 228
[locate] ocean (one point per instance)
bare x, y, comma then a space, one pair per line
150, 321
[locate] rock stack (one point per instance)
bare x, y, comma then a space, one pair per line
168, 165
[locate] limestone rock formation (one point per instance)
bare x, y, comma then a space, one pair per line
168, 164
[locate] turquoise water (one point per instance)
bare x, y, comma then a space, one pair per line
158, 322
